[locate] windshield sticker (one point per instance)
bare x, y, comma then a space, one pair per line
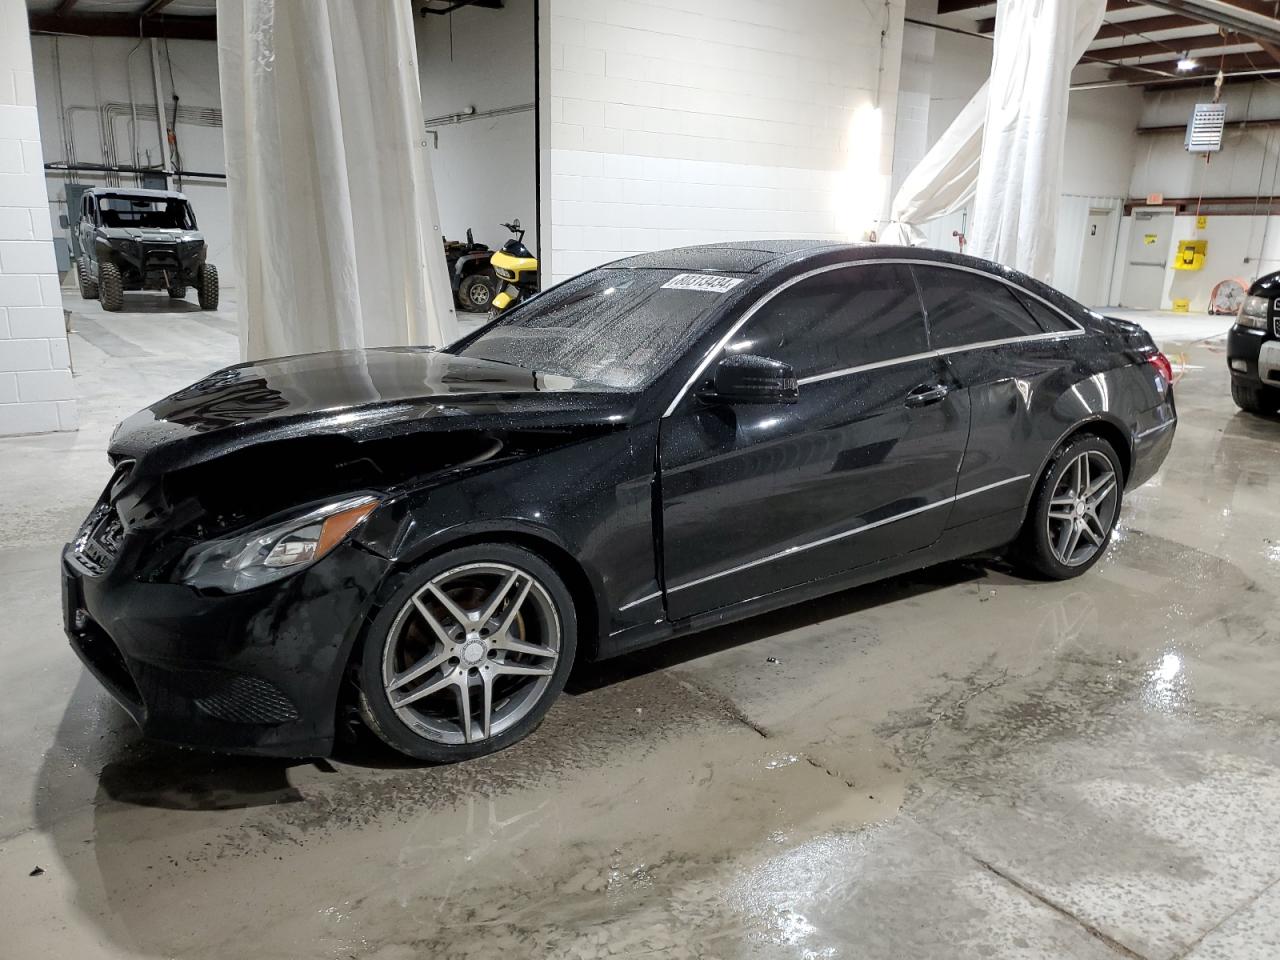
702, 281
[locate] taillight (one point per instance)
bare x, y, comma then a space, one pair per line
1162, 365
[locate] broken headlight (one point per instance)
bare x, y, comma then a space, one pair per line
1253, 313
274, 551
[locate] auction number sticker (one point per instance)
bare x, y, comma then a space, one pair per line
701, 281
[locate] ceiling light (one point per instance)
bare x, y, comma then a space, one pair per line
1187, 64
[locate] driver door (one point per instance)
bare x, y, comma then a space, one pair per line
758, 497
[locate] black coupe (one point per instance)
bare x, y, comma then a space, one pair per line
432, 538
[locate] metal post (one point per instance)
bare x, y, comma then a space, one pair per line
166, 165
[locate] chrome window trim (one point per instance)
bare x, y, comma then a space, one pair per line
800, 548
816, 378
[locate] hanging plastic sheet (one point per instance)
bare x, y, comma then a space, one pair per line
947, 178
334, 219
1020, 172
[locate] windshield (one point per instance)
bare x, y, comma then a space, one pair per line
615, 327
155, 213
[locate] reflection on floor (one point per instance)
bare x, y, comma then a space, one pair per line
956, 764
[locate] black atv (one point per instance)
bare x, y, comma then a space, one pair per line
470, 274
141, 240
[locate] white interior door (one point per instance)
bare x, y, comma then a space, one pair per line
1095, 264
1148, 251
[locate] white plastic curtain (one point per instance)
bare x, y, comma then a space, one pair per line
1020, 172
947, 178
334, 220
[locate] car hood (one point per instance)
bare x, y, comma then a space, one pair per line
359, 395
156, 234
1266, 286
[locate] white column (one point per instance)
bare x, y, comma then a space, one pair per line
334, 219
36, 392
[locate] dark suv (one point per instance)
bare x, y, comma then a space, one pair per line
1253, 348
141, 240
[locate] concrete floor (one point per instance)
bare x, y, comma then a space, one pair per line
955, 764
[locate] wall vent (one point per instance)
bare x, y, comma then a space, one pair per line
1204, 132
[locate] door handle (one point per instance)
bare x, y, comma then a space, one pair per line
927, 393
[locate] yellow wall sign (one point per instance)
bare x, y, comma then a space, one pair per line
1190, 254
1150, 239
1202, 222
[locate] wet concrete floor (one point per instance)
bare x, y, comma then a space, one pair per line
955, 764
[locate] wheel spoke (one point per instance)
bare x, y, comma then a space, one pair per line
1100, 490
419, 669
521, 670
512, 645
436, 626
446, 601
1077, 476
464, 707
426, 690
495, 600
1073, 541
514, 608
1093, 527
1063, 514
486, 718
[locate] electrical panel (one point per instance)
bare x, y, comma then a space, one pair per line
1204, 132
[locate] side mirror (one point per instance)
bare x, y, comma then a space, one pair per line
743, 378
63, 222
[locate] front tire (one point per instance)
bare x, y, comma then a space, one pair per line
88, 286
476, 292
469, 654
1254, 399
110, 286
207, 286
1074, 510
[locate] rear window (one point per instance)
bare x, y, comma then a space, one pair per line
616, 328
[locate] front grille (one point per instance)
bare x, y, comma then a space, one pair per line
161, 258
1275, 317
223, 695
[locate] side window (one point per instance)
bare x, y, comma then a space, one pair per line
965, 308
839, 319
1050, 320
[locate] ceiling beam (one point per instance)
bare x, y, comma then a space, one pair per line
64, 8
127, 25
1169, 49
1208, 68
1260, 24
1131, 28
153, 7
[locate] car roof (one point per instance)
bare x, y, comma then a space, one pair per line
741, 256
136, 192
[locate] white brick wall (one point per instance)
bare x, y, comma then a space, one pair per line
36, 390
669, 122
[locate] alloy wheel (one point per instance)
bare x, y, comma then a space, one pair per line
471, 652
1082, 508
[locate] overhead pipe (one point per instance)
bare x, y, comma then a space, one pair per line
164, 133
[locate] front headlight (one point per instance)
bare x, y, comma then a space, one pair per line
272, 552
1253, 313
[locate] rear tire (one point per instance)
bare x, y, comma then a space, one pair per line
207, 286
1073, 511
88, 286
177, 293
110, 286
521, 654
1254, 399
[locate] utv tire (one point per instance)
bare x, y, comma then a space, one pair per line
88, 286
1073, 511
476, 292
207, 287
110, 286
177, 293
1255, 399
451, 656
